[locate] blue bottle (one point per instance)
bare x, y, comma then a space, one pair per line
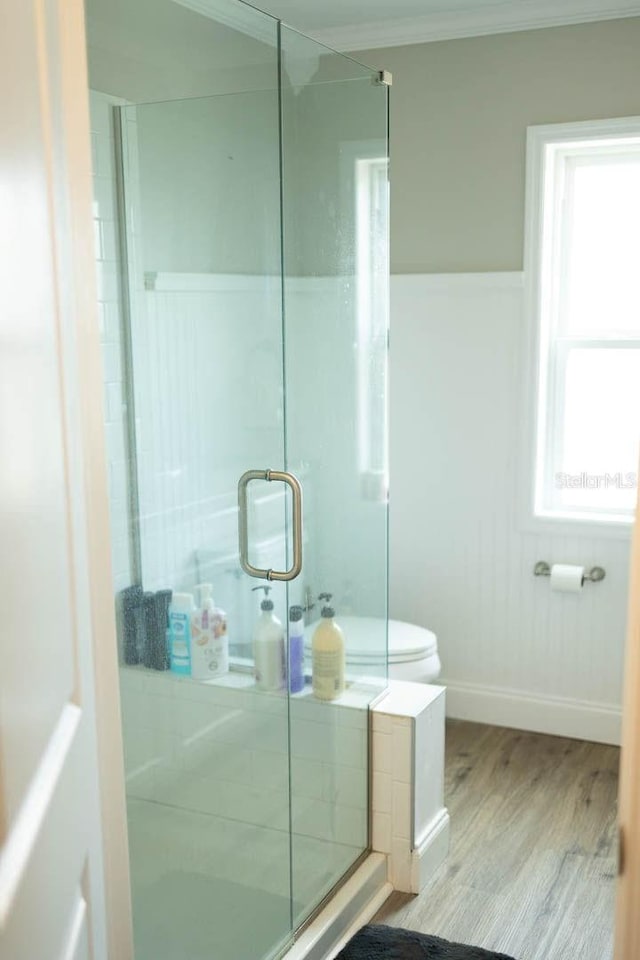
296, 649
180, 615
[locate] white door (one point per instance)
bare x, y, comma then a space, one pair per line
52, 890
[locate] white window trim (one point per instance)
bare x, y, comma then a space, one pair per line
538, 139
353, 154
374, 479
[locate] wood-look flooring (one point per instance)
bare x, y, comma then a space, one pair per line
532, 866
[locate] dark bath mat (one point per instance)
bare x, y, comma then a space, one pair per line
392, 943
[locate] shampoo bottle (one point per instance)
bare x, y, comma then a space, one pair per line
327, 652
181, 614
268, 647
209, 643
296, 649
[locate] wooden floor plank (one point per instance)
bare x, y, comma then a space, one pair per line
532, 866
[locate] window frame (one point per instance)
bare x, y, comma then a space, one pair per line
371, 175
549, 148
357, 157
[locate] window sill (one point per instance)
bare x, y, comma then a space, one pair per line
559, 524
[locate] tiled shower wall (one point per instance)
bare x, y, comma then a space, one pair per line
208, 345
207, 360
201, 343
208, 767
188, 512
110, 319
207, 342
223, 750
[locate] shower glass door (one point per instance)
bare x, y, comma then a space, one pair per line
208, 760
252, 282
336, 274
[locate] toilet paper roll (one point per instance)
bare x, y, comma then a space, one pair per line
566, 578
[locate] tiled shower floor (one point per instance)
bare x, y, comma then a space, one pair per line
192, 916
209, 888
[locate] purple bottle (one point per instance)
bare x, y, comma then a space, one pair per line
296, 649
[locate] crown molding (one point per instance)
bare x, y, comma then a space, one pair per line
506, 17
240, 16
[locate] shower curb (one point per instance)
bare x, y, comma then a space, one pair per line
353, 905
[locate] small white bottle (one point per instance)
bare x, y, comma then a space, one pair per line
328, 655
209, 642
268, 647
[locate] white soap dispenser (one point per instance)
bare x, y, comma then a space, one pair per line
268, 647
328, 655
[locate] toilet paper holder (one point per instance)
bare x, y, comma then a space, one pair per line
543, 569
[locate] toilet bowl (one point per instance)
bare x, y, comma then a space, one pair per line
412, 650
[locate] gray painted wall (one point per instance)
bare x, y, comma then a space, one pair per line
144, 50
459, 113
210, 184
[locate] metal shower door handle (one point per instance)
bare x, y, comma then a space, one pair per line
243, 529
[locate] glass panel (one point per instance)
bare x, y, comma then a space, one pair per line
597, 466
202, 204
335, 218
602, 238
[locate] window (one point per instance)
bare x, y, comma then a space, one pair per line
372, 311
583, 272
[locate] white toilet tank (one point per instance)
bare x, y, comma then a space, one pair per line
413, 650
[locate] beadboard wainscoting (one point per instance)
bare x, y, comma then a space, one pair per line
462, 554
189, 459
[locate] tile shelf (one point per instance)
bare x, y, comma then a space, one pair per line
359, 693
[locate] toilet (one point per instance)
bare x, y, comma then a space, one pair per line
413, 650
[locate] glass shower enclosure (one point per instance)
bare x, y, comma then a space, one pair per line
249, 289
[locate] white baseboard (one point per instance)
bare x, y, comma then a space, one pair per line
431, 852
580, 720
352, 906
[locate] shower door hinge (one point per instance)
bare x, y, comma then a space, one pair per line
385, 77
